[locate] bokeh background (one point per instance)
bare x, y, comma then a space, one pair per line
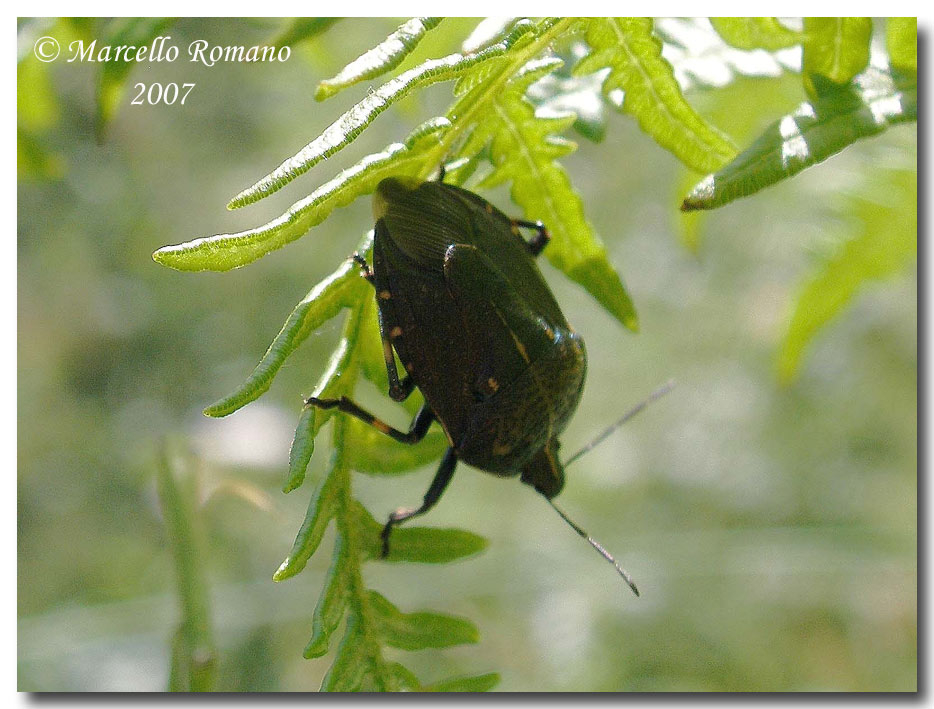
772, 528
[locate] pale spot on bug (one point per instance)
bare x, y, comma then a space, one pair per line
501, 448
493, 384
385, 295
395, 332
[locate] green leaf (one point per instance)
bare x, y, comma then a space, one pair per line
524, 151
322, 303
332, 603
651, 93
370, 347
403, 677
418, 631
487, 31
427, 545
755, 32
321, 509
223, 252
303, 445
122, 32
370, 451
885, 242
835, 50
901, 39
351, 124
350, 665
302, 28
384, 57
701, 58
868, 106
477, 683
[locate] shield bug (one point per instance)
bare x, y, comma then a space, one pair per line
477, 330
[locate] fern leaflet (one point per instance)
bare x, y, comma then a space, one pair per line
385, 56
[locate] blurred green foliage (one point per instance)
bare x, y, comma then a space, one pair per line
772, 529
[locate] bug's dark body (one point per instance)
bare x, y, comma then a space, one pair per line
476, 326
462, 303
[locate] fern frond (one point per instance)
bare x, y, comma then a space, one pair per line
487, 31
869, 105
345, 129
384, 57
755, 33
650, 92
525, 149
223, 252
836, 49
372, 620
339, 290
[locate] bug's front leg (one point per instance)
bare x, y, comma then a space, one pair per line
365, 271
437, 487
541, 238
399, 390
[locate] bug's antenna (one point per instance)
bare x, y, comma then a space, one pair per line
654, 396
596, 545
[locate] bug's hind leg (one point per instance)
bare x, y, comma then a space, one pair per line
416, 431
438, 484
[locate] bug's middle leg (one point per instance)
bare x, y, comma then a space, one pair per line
437, 487
416, 431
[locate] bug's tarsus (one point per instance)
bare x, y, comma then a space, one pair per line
399, 391
654, 396
596, 545
435, 490
541, 238
364, 266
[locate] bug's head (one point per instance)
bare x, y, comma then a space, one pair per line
544, 471
389, 191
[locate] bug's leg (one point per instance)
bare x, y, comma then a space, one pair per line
541, 238
416, 431
364, 268
438, 484
398, 390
